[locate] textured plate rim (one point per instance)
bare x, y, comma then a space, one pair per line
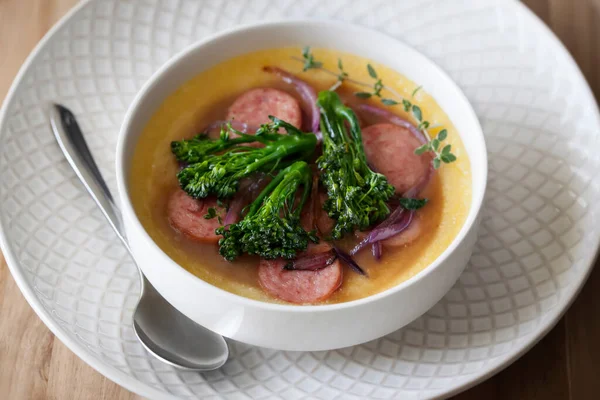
146, 390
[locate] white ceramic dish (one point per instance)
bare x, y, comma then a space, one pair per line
292, 327
538, 235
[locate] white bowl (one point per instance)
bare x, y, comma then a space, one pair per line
291, 327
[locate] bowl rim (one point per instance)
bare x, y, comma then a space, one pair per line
127, 207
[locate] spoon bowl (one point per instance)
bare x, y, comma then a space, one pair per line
175, 339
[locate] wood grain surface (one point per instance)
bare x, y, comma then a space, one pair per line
36, 365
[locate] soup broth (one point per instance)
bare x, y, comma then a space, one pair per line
205, 99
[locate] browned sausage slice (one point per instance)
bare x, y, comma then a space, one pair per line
390, 149
300, 287
254, 107
186, 215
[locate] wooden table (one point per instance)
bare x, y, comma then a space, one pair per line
34, 365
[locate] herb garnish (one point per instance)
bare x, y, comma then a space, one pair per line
377, 86
341, 77
309, 60
412, 204
343, 74
213, 213
416, 90
442, 154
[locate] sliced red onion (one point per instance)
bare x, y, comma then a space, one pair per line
386, 232
306, 92
249, 189
394, 119
376, 248
372, 167
345, 257
393, 217
235, 208
312, 262
396, 223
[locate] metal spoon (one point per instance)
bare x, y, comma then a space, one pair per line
165, 332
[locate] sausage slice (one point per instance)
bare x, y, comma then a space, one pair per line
300, 287
390, 149
186, 215
254, 107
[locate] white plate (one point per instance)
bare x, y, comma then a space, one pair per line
539, 232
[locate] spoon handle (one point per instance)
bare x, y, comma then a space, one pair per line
173, 337
76, 151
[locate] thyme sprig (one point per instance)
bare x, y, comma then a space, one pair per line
442, 154
412, 204
212, 213
377, 85
309, 60
341, 76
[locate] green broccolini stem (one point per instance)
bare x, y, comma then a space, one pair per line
272, 226
193, 150
282, 188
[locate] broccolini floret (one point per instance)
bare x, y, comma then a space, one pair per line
272, 228
216, 166
357, 196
